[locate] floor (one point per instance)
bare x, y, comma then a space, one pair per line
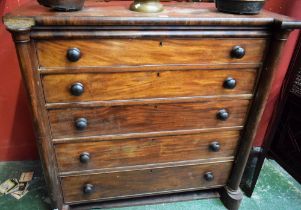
275, 190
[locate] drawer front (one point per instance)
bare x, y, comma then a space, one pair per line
76, 122
139, 85
135, 52
120, 153
140, 182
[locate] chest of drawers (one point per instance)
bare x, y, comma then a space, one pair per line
129, 105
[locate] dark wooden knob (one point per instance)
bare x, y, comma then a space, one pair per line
88, 188
84, 157
73, 54
222, 115
238, 52
77, 89
81, 123
229, 83
208, 176
214, 146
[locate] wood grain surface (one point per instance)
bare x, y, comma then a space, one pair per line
153, 84
144, 182
121, 153
146, 118
137, 52
31, 78
148, 132
116, 13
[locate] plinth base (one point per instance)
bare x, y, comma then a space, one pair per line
231, 198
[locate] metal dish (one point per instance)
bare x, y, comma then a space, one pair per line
63, 5
240, 6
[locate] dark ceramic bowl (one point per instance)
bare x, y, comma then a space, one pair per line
63, 5
250, 7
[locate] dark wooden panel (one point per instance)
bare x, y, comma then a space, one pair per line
119, 153
146, 118
137, 52
149, 200
149, 181
138, 85
284, 140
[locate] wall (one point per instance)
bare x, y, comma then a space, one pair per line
290, 8
16, 132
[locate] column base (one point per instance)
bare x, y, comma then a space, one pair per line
231, 198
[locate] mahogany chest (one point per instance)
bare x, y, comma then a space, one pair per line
129, 105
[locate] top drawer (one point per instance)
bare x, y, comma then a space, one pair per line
135, 52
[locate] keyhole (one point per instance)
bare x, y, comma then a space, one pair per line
158, 74
161, 43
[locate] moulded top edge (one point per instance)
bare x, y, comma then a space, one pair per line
117, 13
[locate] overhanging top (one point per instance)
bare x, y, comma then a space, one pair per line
117, 13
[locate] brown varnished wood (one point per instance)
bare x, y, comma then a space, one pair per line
144, 182
148, 200
116, 13
117, 69
146, 118
145, 166
161, 32
185, 44
143, 135
89, 104
258, 106
117, 153
139, 85
30, 75
128, 52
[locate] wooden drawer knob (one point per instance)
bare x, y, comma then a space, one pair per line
229, 83
222, 114
77, 89
81, 123
84, 157
208, 176
214, 146
73, 54
88, 188
238, 52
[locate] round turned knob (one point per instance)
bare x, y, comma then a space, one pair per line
229, 83
81, 123
73, 54
77, 89
214, 146
88, 188
208, 176
238, 52
222, 115
84, 157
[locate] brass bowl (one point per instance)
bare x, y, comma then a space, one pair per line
63, 5
147, 6
240, 6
